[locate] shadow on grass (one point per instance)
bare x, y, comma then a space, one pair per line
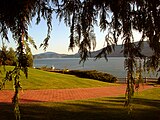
138, 101
99, 109
28, 100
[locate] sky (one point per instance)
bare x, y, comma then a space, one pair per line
59, 40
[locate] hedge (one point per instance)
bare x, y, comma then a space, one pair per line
91, 74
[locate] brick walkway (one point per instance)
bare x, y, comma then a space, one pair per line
59, 95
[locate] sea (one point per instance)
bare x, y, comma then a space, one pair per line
114, 65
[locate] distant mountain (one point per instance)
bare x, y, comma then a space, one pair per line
146, 50
117, 53
48, 55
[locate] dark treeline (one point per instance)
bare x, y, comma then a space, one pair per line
9, 57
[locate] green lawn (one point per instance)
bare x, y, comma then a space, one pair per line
146, 106
38, 79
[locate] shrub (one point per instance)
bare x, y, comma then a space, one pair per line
93, 74
45, 68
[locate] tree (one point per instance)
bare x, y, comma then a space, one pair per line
30, 60
117, 17
3, 56
11, 57
8, 57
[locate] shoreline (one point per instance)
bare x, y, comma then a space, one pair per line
150, 80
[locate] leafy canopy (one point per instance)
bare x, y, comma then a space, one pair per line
117, 17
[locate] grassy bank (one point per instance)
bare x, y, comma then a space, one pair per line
38, 79
146, 106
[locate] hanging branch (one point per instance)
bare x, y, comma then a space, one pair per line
81, 16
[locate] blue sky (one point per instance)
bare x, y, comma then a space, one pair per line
59, 40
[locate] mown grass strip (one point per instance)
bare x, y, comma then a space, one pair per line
38, 79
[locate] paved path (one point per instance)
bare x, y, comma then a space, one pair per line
59, 95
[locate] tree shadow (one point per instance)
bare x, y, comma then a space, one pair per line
100, 109
140, 101
6, 111
29, 101
147, 102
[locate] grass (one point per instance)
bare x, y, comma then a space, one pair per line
146, 106
38, 79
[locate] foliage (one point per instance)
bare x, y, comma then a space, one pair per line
92, 74
29, 60
9, 57
117, 17
45, 68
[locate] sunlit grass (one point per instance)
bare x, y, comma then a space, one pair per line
38, 79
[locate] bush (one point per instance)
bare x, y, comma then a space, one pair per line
93, 74
45, 68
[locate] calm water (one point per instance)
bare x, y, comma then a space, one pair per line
115, 65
